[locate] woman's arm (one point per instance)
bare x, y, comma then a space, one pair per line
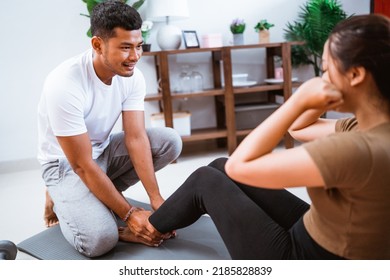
310, 126
254, 162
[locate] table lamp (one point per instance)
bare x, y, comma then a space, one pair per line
168, 36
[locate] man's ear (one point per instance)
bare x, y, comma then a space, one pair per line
357, 75
97, 44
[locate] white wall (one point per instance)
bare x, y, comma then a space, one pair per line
37, 35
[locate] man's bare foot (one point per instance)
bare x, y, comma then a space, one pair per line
49, 216
126, 235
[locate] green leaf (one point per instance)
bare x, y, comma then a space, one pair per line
262, 25
316, 19
138, 4
91, 4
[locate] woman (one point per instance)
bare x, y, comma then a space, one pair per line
344, 165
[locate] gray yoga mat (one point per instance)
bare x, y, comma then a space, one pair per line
200, 241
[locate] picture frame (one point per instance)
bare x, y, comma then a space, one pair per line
190, 39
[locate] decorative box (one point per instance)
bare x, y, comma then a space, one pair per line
212, 40
181, 122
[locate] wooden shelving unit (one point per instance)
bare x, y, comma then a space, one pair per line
225, 113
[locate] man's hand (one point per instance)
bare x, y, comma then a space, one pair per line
140, 230
143, 231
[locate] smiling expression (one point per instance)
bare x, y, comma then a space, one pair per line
117, 55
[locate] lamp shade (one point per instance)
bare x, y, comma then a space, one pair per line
160, 10
168, 36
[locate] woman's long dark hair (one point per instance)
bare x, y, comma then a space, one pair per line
364, 40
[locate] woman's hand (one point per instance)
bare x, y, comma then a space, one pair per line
317, 93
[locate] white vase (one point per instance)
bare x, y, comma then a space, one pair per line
238, 39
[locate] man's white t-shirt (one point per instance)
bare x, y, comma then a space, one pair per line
75, 101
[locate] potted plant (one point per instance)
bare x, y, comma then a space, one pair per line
237, 27
92, 3
262, 27
315, 21
145, 29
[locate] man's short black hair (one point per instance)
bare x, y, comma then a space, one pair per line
111, 14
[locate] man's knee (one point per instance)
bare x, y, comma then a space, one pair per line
166, 142
97, 243
92, 238
174, 141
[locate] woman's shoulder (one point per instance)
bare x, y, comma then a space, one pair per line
347, 124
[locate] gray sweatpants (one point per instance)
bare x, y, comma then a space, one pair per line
85, 221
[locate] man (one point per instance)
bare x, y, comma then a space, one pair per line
86, 168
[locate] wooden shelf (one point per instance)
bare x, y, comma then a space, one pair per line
211, 92
243, 132
296, 84
204, 134
222, 66
263, 87
153, 97
177, 95
257, 88
256, 46
191, 50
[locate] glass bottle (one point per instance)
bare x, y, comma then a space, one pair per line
196, 80
184, 80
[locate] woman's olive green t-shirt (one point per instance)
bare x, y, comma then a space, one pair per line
350, 215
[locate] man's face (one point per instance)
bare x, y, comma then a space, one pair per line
119, 54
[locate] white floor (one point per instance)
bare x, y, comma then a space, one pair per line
22, 194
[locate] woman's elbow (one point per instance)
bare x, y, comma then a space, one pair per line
297, 135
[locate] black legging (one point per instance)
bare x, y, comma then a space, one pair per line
254, 223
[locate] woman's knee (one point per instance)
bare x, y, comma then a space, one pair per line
209, 179
219, 164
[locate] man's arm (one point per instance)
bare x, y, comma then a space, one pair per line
78, 151
138, 146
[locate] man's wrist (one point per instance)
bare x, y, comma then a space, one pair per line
131, 211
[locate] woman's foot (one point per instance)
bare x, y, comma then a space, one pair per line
49, 217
